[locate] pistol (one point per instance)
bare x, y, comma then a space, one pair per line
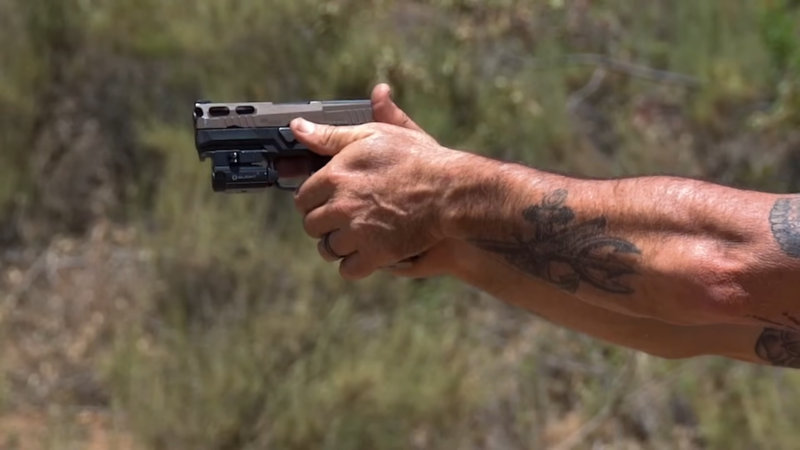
246, 140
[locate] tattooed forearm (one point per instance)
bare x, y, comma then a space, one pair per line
784, 219
781, 348
787, 322
779, 343
566, 252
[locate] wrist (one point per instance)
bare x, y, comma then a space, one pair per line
478, 196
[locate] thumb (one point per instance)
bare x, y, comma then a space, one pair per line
385, 110
327, 140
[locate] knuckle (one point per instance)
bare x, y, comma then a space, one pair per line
374, 130
406, 121
340, 208
337, 173
321, 250
310, 226
297, 197
299, 205
329, 136
346, 269
373, 126
363, 233
302, 195
355, 267
336, 176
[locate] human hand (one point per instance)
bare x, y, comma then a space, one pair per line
384, 110
378, 203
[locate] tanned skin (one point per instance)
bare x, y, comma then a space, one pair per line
669, 266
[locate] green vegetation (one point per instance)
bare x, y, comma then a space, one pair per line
140, 306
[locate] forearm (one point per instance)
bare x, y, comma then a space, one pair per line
650, 336
665, 248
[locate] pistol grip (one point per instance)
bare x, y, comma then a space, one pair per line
318, 161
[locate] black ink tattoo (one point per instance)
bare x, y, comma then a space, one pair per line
791, 324
784, 219
779, 344
781, 348
566, 252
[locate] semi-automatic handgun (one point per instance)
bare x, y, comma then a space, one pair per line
245, 140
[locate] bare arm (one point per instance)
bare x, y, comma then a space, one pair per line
675, 250
740, 342
669, 266
674, 267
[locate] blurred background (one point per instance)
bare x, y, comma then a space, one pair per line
141, 311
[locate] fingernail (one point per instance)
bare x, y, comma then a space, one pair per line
304, 126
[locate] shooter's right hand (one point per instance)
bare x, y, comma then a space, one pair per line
384, 110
